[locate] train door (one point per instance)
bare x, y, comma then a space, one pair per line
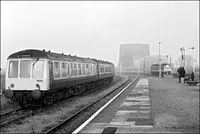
51, 74
97, 69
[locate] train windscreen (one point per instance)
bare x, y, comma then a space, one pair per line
38, 69
13, 69
25, 67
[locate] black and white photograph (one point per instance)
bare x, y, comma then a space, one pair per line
106, 67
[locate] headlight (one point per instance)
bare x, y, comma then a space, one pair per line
12, 85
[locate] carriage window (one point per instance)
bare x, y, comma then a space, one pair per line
71, 69
87, 69
75, 70
91, 69
56, 69
94, 69
83, 69
79, 69
101, 69
25, 67
38, 69
13, 69
64, 69
67, 68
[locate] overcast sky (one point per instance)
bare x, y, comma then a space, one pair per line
95, 29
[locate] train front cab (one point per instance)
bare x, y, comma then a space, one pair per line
26, 78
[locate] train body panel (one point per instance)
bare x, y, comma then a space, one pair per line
64, 83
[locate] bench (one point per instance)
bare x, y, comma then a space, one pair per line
186, 78
192, 83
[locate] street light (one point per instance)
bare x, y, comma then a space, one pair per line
182, 56
159, 61
193, 67
167, 58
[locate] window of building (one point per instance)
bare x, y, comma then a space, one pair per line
25, 68
56, 69
13, 69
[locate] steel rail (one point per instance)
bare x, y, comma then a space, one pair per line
59, 125
16, 119
9, 112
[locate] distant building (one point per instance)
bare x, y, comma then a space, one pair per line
136, 58
131, 55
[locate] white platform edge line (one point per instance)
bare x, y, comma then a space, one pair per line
96, 113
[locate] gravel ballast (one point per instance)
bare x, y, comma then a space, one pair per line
51, 117
175, 106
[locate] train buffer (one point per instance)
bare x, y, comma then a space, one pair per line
192, 83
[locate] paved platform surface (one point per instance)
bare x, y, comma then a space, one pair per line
132, 115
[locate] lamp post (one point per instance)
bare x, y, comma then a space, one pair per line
182, 56
159, 61
193, 67
167, 58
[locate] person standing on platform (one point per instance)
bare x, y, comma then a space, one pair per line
192, 76
182, 73
179, 76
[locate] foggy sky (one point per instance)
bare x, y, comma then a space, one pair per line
95, 29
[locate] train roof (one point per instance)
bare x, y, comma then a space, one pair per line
33, 53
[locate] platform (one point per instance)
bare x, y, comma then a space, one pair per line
133, 114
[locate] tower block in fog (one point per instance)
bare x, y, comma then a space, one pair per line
132, 57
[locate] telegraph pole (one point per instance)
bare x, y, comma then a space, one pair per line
182, 56
159, 61
193, 66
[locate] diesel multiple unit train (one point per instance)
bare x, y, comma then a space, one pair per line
35, 77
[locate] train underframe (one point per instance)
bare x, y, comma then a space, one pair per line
26, 99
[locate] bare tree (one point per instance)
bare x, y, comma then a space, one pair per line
188, 62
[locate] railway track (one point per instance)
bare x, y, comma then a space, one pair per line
9, 112
13, 116
65, 121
